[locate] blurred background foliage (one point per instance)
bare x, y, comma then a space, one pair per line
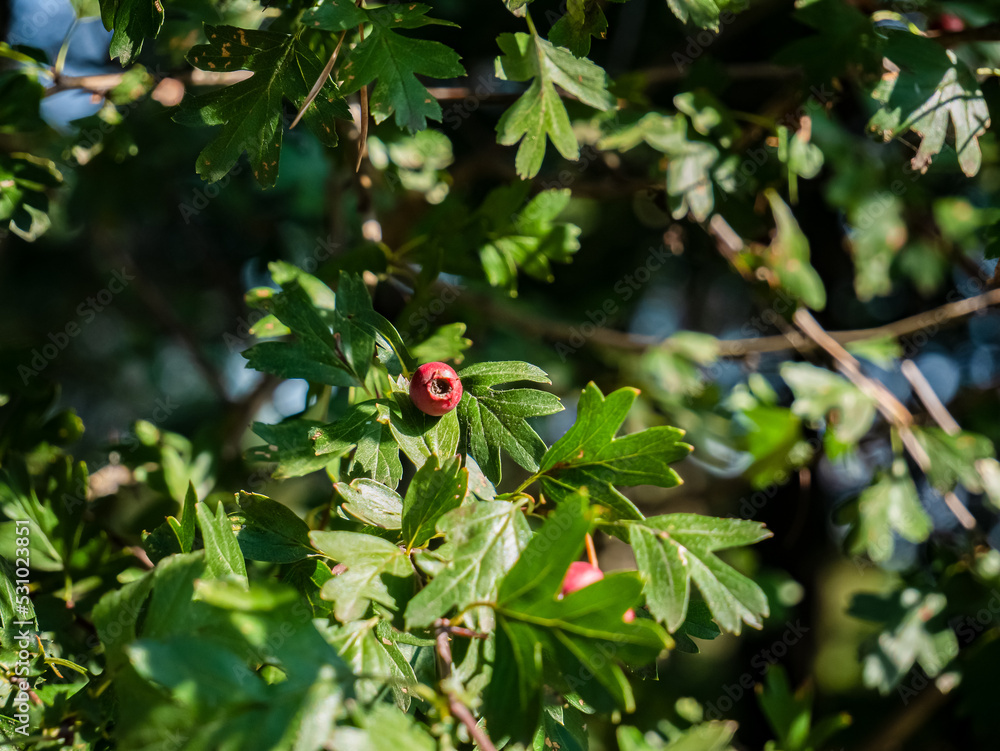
743, 170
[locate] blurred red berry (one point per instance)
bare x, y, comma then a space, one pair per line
580, 575
949, 23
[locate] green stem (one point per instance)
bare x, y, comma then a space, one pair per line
531, 24
60, 63
533, 478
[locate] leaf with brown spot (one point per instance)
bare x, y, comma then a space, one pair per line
250, 111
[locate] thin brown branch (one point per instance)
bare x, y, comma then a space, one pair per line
893, 410
458, 93
935, 408
95, 84
458, 709
363, 94
904, 724
101, 83
987, 468
931, 320
988, 33
730, 244
320, 82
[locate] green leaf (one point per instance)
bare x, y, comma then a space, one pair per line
368, 647
24, 201
692, 161
708, 116
493, 420
270, 531
223, 557
212, 673
539, 112
689, 180
116, 616
790, 714
954, 458
822, 395
878, 234
250, 111
372, 503
662, 132
185, 528
436, 489
773, 437
385, 728
132, 21
12, 608
171, 609
707, 736
368, 559
392, 59
482, 542
698, 624
704, 13
589, 456
358, 326
446, 343
563, 728
293, 360
308, 577
912, 633
881, 350
362, 428
289, 444
890, 505
315, 354
788, 256
926, 87
563, 642
352, 324
284, 273
583, 19
523, 236
19, 501
673, 550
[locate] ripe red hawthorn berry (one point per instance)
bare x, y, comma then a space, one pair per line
435, 388
581, 574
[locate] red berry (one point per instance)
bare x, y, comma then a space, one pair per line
580, 574
949, 23
435, 388
629, 616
